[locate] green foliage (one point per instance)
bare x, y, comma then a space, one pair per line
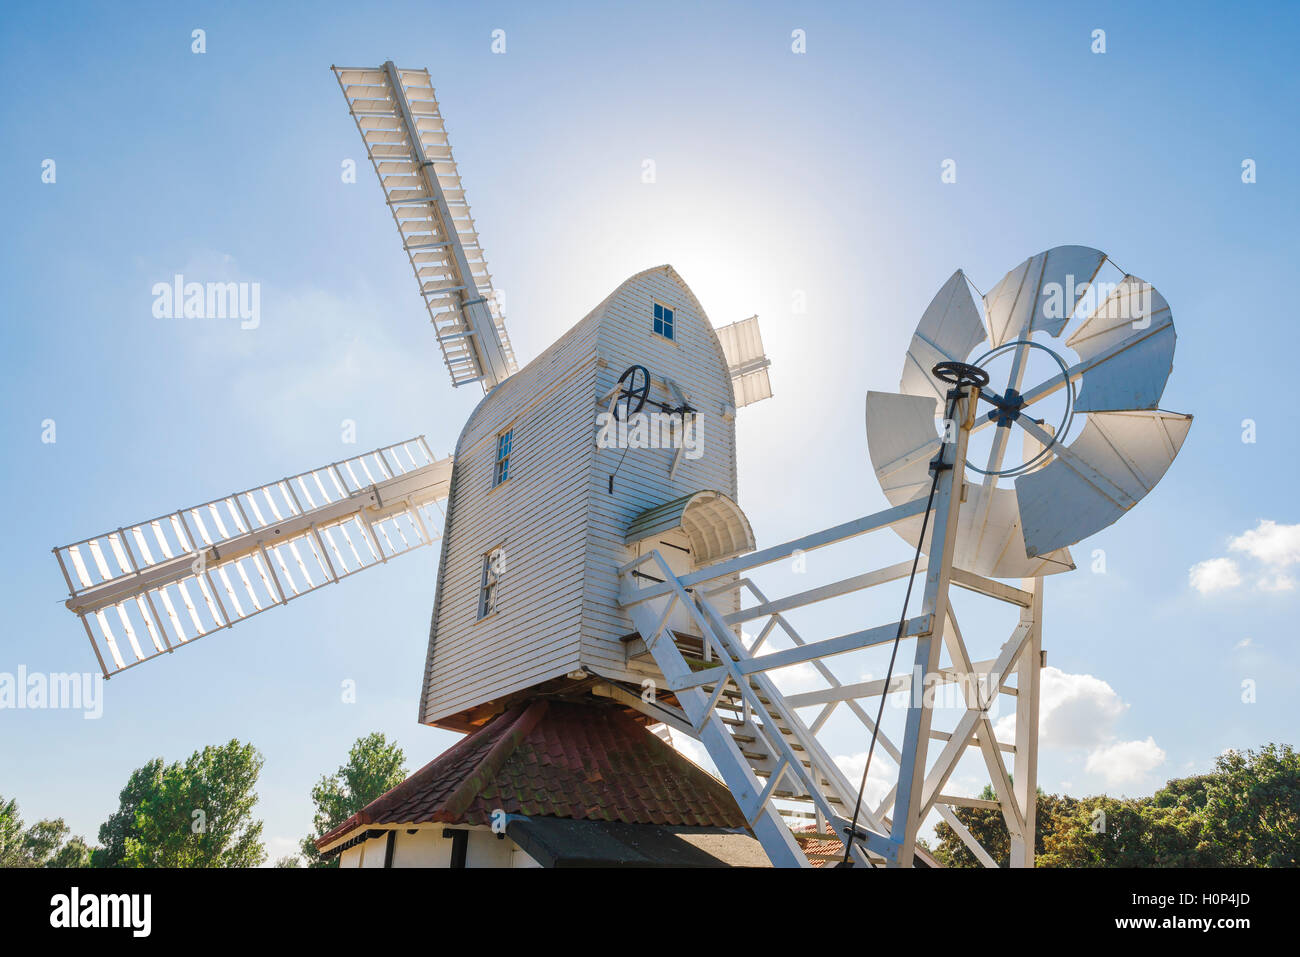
11, 834
1246, 813
1252, 807
120, 826
988, 827
374, 766
75, 853
44, 844
195, 814
42, 840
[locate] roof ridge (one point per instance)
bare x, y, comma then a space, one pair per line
465, 793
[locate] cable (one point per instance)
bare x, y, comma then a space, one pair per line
938, 468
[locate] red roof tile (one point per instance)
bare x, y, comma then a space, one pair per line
819, 847
557, 759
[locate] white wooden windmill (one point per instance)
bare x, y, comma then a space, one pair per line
577, 567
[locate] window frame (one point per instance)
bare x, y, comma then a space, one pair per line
490, 577
657, 322
501, 463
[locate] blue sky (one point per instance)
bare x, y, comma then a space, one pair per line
777, 173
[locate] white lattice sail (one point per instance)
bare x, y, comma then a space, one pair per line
742, 345
151, 587
397, 115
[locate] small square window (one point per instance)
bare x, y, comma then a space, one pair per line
664, 321
494, 565
502, 470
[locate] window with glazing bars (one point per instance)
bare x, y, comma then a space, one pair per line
502, 471
663, 321
494, 564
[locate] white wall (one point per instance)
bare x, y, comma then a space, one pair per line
428, 848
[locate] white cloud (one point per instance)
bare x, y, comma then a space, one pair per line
796, 678
1271, 543
1274, 546
1244, 643
1125, 763
878, 784
1214, 574
1079, 713
1074, 711
1276, 582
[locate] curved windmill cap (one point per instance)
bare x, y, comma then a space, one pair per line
1067, 490
713, 522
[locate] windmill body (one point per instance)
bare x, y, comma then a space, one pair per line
557, 526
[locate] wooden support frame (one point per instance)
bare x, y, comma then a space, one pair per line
771, 737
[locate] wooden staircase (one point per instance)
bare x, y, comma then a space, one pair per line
761, 748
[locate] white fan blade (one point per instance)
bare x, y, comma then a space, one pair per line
950, 328
1115, 461
1127, 348
901, 440
1041, 293
998, 550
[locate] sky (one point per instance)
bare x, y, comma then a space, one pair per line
804, 187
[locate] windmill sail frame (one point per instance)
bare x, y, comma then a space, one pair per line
398, 117
183, 575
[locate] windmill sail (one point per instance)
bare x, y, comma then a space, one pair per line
149, 588
742, 346
399, 120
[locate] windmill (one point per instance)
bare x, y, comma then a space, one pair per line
617, 570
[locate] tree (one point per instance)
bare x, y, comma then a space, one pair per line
374, 766
121, 824
42, 840
75, 853
11, 834
44, 844
195, 814
988, 827
1113, 832
1252, 807
1245, 813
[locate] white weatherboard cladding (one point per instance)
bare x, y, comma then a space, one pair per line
563, 533
694, 361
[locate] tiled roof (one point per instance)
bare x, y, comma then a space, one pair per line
819, 845
558, 759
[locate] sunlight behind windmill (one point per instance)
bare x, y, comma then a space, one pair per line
573, 606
